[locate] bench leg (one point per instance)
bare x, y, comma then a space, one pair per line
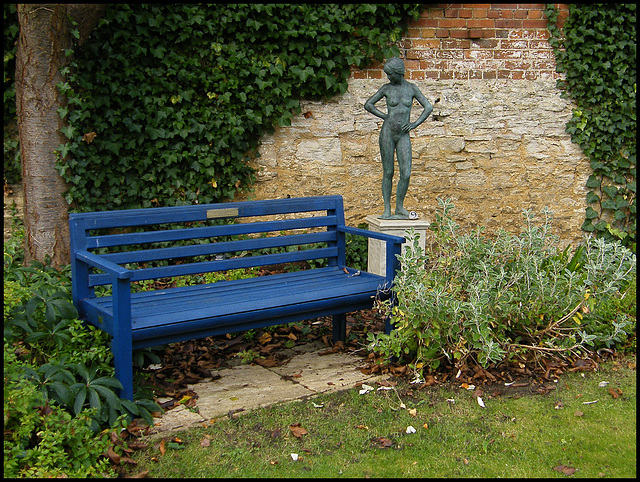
123, 360
388, 326
339, 327
122, 343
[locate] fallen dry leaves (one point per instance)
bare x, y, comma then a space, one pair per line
382, 442
297, 430
615, 392
564, 469
123, 444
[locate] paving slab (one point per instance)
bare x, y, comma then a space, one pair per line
247, 387
325, 373
175, 420
243, 388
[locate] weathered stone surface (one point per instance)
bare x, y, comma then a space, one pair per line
326, 373
495, 142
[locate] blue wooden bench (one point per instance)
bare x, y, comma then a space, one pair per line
117, 248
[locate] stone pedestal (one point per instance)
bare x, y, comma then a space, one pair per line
398, 227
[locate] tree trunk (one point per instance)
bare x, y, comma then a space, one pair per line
44, 36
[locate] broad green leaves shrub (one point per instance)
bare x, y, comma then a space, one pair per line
73, 363
167, 103
596, 49
59, 384
471, 295
42, 439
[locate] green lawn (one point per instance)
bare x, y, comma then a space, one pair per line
517, 434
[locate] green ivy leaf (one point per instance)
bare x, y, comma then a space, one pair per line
593, 181
591, 213
592, 197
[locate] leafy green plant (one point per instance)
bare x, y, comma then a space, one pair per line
14, 295
70, 364
596, 50
48, 343
491, 297
11, 166
59, 384
50, 327
96, 389
46, 312
42, 439
54, 382
357, 250
248, 356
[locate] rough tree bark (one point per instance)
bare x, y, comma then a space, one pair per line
44, 36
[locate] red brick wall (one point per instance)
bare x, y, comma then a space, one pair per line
477, 41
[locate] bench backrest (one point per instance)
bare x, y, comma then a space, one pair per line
300, 229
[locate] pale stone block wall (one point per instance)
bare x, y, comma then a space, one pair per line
495, 147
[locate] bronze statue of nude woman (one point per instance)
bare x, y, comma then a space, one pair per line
394, 135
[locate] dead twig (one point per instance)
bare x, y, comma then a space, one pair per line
553, 325
547, 349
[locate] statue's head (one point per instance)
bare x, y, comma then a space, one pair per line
394, 65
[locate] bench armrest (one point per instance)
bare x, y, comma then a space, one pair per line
372, 234
393, 248
106, 266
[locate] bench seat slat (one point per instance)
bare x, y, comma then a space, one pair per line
223, 287
219, 248
103, 306
110, 240
225, 292
193, 308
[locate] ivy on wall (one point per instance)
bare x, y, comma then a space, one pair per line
11, 165
168, 102
596, 49
9, 61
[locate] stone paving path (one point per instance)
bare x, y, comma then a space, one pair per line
246, 387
